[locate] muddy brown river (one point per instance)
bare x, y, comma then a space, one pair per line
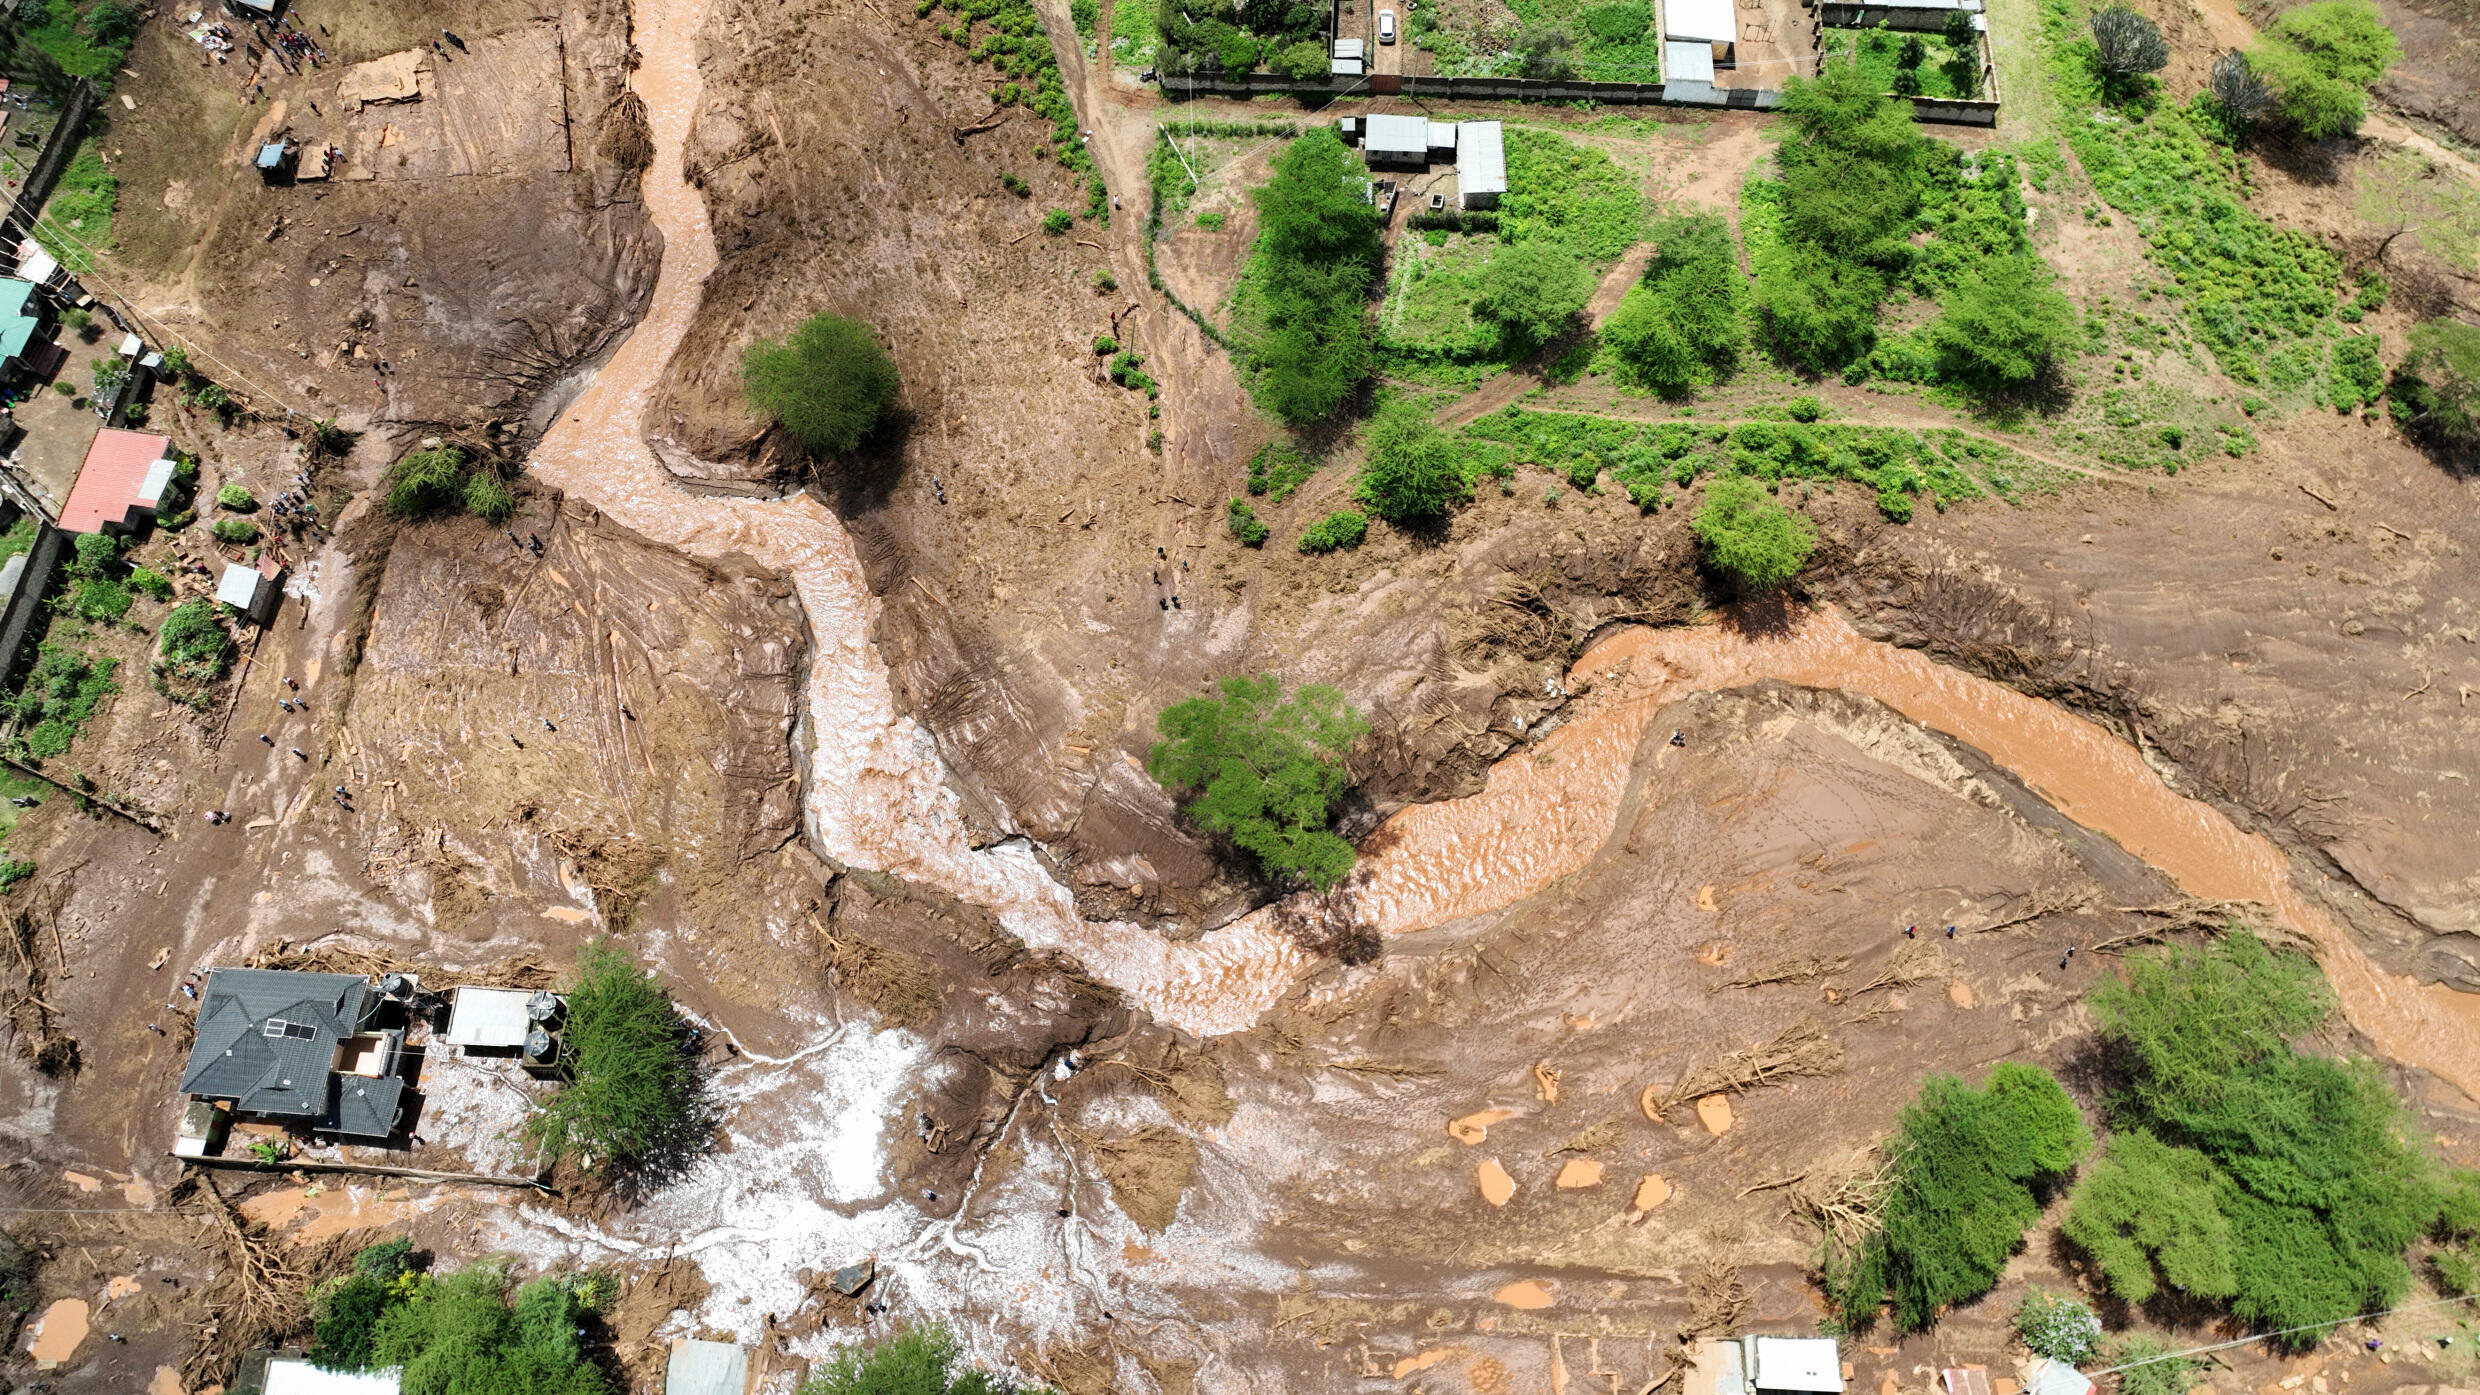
876, 797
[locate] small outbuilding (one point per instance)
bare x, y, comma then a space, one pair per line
1714, 23
21, 323
121, 483
1687, 60
1398, 141
251, 590
1765, 1366
1480, 163
705, 1368
499, 1019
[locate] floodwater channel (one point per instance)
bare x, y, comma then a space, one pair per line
876, 796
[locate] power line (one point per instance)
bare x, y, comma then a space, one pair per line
2285, 1332
94, 272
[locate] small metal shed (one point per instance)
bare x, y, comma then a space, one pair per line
1480, 164
492, 1018
248, 590
1396, 140
1687, 60
705, 1368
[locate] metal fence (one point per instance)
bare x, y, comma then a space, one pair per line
1947, 110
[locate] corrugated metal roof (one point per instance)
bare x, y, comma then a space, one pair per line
238, 586
292, 1375
1397, 135
1810, 1364
1480, 158
705, 1368
1687, 60
488, 1017
1714, 21
1351, 48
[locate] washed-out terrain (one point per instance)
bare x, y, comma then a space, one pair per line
853, 758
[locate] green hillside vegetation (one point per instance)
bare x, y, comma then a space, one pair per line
2319, 61
1302, 305
1265, 771
923, 1360
1969, 1168
2243, 1169
1008, 35
2436, 388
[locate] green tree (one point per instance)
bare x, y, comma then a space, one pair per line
2149, 1213
919, 1361
2004, 324
1684, 324
1308, 280
1750, 538
828, 382
634, 1102
1545, 52
1968, 1167
460, 1335
1300, 61
425, 482
1264, 771
1412, 473
2320, 60
2126, 44
1531, 290
2436, 388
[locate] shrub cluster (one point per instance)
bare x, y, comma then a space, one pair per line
1264, 771
2436, 388
59, 694
441, 480
193, 651
922, 1360
1750, 538
1341, 529
1413, 471
1278, 468
465, 1333
1307, 282
1245, 524
2242, 1169
1218, 37
1969, 1170
98, 589
2319, 60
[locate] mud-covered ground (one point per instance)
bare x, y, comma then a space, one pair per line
615, 737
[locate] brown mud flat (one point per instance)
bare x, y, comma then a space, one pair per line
502, 245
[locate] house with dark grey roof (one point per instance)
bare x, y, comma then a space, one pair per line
297, 1048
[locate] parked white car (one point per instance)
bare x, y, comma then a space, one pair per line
1386, 26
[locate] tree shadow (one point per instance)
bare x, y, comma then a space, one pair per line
864, 480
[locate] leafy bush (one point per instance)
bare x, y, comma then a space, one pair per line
2004, 326
918, 1361
2147, 1214
150, 582
99, 602
2320, 59
461, 1334
235, 498
2358, 374
192, 650
425, 482
1300, 61
1278, 468
1340, 529
1055, 222
1545, 52
2436, 388
13, 871
1264, 771
1532, 289
2148, 1366
828, 382
1968, 1169
1245, 525
2058, 1328
487, 497
1748, 537
1412, 473
633, 1101
240, 532
1305, 289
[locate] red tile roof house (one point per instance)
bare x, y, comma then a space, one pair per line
119, 486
